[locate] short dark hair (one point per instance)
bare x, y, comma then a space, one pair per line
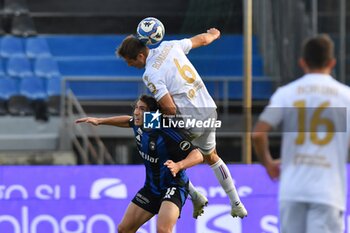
131, 47
150, 101
318, 51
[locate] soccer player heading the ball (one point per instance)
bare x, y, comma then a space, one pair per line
179, 89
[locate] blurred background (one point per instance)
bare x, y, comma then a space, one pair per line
58, 63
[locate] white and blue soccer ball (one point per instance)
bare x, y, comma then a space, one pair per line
150, 31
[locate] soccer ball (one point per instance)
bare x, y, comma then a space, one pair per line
150, 31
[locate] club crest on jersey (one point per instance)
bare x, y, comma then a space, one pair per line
152, 145
152, 88
185, 145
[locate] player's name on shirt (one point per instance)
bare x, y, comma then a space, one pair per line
312, 89
158, 61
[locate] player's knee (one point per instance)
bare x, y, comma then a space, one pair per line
211, 158
122, 229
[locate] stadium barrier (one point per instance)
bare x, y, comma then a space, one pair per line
92, 199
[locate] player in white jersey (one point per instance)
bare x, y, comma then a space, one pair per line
314, 112
179, 89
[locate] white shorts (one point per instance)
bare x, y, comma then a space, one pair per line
205, 138
303, 217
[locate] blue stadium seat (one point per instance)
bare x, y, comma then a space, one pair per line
46, 67
225, 66
54, 95
261, 89
33, 88
97, 67
11, 46
19, 67
8, 88
90, 90
2, 68
89, 55
83, 45
53, 86
37, 47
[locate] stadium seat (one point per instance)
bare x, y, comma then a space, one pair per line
54, 95
83, 45
33, 88
97, 67
37, 47
19, 67
31, 99
8, 88
92, 90
2, 68
46, 67
11, 46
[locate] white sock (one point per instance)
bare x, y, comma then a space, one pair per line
224, 177
191, 190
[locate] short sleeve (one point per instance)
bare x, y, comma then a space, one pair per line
185, 44
273, 112
156, 86
131, 122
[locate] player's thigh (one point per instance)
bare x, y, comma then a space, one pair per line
206, 142
293, 216
325, 219
206, 137
134, 217
168, 214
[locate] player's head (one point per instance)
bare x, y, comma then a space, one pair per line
318, 53
133, 51
144, 103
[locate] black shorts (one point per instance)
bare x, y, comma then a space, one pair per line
151, 202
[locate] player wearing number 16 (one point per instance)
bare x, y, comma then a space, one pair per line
315, 117
179, 89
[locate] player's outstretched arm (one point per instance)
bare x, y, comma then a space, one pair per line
120, 121
193, 158
205, 38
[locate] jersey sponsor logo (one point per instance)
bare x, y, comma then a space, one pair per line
108, 187
185, 145
217, 219
151, 120
148, 157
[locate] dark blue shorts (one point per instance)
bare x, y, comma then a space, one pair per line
151, 202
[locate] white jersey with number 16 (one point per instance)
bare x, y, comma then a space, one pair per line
314, 112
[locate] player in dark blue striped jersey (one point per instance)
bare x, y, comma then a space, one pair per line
166, 154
